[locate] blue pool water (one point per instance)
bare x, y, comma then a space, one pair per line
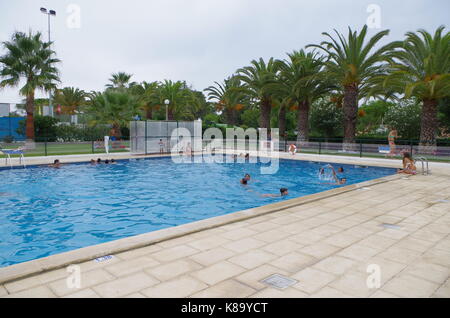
45, 211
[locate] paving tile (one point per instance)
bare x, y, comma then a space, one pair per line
3, 291
244, 245
135, 295
209, 242
226, 289
171, 270
358, 252
335, 265
85, 293
218, 272
328, 292
182, 286
272, 235
131, 266
252, 258
139, 252
311, 280
382, 294
263, 226
293, 262
354, 284
173, 253
341, 240
239, 233
87, 279
35, 292
410, 286
282, 247
212, 256
432, 272
400, 255
125, 285
319, 250
277, 293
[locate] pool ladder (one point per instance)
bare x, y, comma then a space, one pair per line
424, 162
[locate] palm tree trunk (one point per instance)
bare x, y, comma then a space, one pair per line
170, 114
282, 121
229, 116
350, 107
149, 112
30, 117
303, 121
266, 108
429, 124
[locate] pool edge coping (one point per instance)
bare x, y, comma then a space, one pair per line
90, 253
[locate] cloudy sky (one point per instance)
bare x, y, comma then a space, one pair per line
200, 41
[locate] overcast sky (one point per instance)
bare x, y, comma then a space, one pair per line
200, 41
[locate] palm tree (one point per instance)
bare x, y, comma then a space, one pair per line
70, 98
421, 69
261, 82
229, 97
29, 58
303, 80
353, 63
177, 93
114, 107
147, 95
119, 80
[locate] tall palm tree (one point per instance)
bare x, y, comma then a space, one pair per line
70, 98
260, 79
354, 63
177, 93
229, 97
114, 107
421, 69
119, 80
302, 77
29, 57
147, 95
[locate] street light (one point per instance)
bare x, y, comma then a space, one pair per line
49, 13
167, 102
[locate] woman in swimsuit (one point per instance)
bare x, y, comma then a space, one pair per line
391, 139
408, 165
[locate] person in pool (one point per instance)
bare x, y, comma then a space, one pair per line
99, 160
56, 164
283, 192
113, 162
245, 179
93, 162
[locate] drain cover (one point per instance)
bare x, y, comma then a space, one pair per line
279, 281
103, 258
442, 201
390, 226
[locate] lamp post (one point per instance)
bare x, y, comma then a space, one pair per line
167, 102
49, 13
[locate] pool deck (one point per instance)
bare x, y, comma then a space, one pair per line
324, 242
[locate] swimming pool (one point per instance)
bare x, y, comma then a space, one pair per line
46, 211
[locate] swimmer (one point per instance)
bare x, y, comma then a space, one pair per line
283, 192
106, 161
113, 162
99, 160
247, 156
245, 179
56, 164
93, 162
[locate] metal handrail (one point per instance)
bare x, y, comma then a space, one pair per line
424, 161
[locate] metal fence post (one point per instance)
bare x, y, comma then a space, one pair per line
145, 136
360, 149
93, 148
411, 147
45, 143
320, 147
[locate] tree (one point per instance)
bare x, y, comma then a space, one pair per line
326, 118
353, 63
28, 57
147, 96
114, 107
177, 93
373, 117
70, 99
302, 78
229, 97
405, 117
261, 82
421, 69
119, 80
